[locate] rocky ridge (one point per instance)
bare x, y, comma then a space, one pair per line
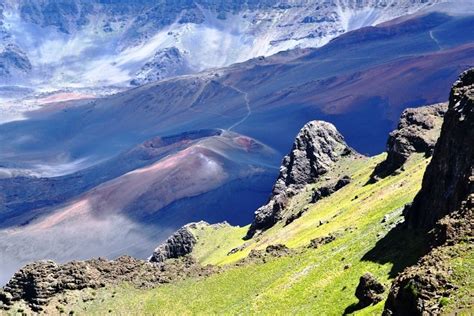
444, 205
317, 148
39, 282
241, 30
417, 132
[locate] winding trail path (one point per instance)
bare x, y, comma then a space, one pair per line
435, 40
247, 104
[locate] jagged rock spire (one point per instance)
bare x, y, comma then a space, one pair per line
317, 147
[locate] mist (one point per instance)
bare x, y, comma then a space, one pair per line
108, 237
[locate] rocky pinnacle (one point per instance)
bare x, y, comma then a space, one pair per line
317, 147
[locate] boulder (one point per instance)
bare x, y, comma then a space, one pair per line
316, 242
369, 290
327, 190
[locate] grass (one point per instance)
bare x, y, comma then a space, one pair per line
214, 242
461, 300
321, 280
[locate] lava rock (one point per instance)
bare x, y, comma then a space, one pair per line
261, 256
369, 290
165, 63
417, 132
326, 191
37, 283
342, 182
316, 242
443, 208
317, 147
294, 217
177, 245
448, 179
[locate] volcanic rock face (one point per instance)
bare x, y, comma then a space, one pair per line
449, 178
418, 289
417, 131
317, 147
38, 282
445, 203
177, 245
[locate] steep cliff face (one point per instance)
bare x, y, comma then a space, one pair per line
317, 147
449, 178
417, 132
444, 205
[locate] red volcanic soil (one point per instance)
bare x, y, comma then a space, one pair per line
246, 143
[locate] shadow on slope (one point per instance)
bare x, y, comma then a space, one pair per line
401, 247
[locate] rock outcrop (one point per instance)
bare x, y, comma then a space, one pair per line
417, 132
320, 241
326, 191
177, 245
444, 205
369, 290
317, 147
264, 255
449, 178
38, 282
181, 243
418, 290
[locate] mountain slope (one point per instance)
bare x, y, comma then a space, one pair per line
307, 280
444, 205
94, 43
313, 262
70, 150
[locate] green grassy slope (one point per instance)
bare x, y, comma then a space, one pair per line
321, 280
461, 260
